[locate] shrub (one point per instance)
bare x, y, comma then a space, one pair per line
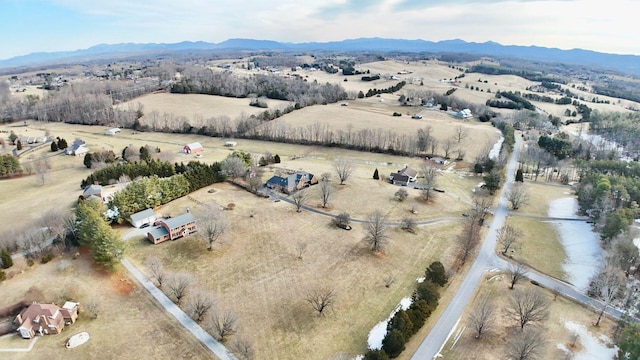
428, 292
30, 262
3, 275
46, 258
5, 258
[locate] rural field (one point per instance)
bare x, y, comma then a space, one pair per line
567, 332
129, 323
258, 270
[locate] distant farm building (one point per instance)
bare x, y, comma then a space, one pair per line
112, 131
464, 114
230, 143
193, 148
78, 148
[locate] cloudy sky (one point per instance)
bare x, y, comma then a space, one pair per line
56, 25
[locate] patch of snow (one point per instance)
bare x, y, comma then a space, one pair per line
495, 150
581, 244
420, 280
377, 334
592, 347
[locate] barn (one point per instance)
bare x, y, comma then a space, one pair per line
193, 148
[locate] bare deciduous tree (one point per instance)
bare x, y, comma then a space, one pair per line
198, 303
447, 147
527, 306
607, 285
326, 190
408, 224
212, 223
93, 307
242, 348
299, 198
222, 323
401, 194
468, 239
233, 167
42, 166
254, 179
482, 317
525, 345
429, 180
460, 134
482, 203
154, 265
517, 196
507, 237
301, 248
516, 272
377, 231
54, 219
320, 299
343, 168
178, 285
388, 280
342, 220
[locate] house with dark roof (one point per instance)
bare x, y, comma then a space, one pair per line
146, 216
292, 182
93, 190
45, 319
399, 179
411, 173
172, 228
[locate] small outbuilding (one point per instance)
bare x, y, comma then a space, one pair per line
112, 131
193, 148
230, 143
147, 216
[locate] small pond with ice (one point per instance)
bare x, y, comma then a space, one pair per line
581, 244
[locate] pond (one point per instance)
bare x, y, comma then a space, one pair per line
581, 244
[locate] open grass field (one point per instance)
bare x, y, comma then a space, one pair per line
130, 324
257, 274
196, 108
558, 329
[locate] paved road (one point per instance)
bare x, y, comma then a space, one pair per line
216, 347
486, 259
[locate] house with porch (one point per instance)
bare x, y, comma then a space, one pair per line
45, 319
172, 228
292, 182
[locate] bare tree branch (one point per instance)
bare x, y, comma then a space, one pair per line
343, 168
516, 273
320, 299
482, 317
377, 231
507, 237
527, 306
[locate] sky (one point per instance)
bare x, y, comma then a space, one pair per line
29, 26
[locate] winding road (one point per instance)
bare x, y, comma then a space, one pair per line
486, 260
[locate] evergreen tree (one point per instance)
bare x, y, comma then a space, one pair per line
62, 144
378, 354
5, 258
87, 160
19, 145
401, 322
54, 146
519, 176
144, 154
107, 248
428, 292
436, 273
393, 343
376, 176
276, 159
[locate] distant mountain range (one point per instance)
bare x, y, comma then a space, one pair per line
623, 63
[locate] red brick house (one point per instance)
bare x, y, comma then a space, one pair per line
173, 228
45, 319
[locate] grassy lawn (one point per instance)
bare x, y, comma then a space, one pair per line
540, 195
256, 272
556, 333
130, 324
539, 247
